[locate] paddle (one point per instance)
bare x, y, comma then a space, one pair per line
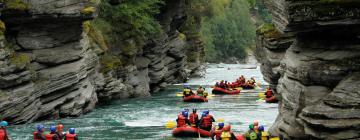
170, 124
261, 95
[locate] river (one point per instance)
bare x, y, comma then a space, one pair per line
144, 118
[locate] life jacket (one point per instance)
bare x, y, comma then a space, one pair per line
193, 118
225, 135
218, 134
269, 93
187, 91
2, 134
49, 136
205, 94
70, 136
181, 121
207, 122
253, 135
36, 136
264, 135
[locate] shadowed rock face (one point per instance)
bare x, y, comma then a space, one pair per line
316, 76
49, 68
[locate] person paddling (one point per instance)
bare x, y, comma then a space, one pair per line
52, 135
206, 121
227, 134
3, 133
216, 132
59, 131
194, 118
39, 133
182, 119
71, 135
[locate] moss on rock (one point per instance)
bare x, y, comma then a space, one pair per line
110, 62
88, 10
20, 60
16, 5
269, 31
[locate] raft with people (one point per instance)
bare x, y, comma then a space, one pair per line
219, 90
187, 131
195, 98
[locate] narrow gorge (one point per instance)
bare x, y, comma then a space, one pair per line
52, 64
311, 59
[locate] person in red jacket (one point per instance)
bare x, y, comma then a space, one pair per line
194, 118
71, 135
269, 92
182, 119
39, 134
52, 135
59, 131
216, 132
3, 133
206, 121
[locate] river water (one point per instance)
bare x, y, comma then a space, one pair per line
144, 118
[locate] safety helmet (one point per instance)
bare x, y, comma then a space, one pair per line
207, 112
203, 114
256, 123
72, 130
40, 127
251, 126
52, 129
221, 125
261, 128
186, 114
183, 112
3, 123
59, 127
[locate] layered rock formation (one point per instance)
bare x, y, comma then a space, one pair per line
50, 68
315, 76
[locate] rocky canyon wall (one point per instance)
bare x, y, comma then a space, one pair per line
311, 59
50, 68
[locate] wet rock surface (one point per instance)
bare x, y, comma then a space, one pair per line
316, 75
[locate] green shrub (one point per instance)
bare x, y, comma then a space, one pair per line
269, 31
110, 62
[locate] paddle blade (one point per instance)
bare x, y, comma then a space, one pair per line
275, 138
170, 124
179, 94
261, 95
239, 88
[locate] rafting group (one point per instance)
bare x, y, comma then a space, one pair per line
190, 125
225, 87
56, 132
190, 96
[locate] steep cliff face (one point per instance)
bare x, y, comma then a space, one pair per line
316, 75
51, 68
159, 62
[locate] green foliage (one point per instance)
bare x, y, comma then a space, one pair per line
228, 33
268, 31
16, 5
132, 18
110, 62
88, 10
